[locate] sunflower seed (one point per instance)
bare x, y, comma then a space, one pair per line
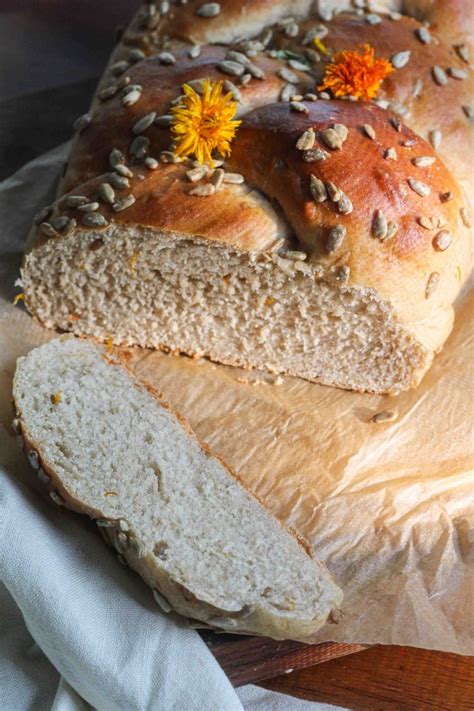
435, 137
447, 197
306, 140
341, 131
255, 71
33, 459
196, 174
139, 147
42, 215
108, 92
397, 124
392, 229
245, 78
160, 600
425, 222
291, 30
395, 16
409, 144
381, 102
122, 204
344, 205
76, 200
423, 161
431, 284
325, 14
135, 55
56, 498
43, 477
169, 157
164, 121
123, 170
298, 66
297, 97
59, 223
310, 97
82, 122
317, 189
299, 107
379, 225
239, 57
145, 122
398, 108
466, 216
369, 131
195, 51
217, 178
94, 219
88, 207
294, 255
331, 138
230, 86
384, 416
287, 92
333, 192
119, 68
122, 541
314, 155
456, 73
335, 238
131, 97
442, 241
423, 34
234, 178
151, 163
390, 154
116, 158
439, 75
48, 229
132, 87
105, 523
123, 82
343, 273
164, 7
462, 52
469, 111
417, 87
209, 9
419, 187
401, 59
203, 190
232, 68
287, 75
373, 19
166, 58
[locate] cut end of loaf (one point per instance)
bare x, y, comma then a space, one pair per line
162, 290
108, 448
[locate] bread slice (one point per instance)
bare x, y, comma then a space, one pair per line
107, 446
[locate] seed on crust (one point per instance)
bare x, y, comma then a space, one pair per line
166, 58
233, 178
431, 284
423, 34
456, 73
373, 19
196, 174
203, 190
317, 189
298, 66
439, 75
333, 192
379, 225
139, 147
420, 188
299, 107
384, 416
331, 138
344, 205
287, 92
369, 131
145, 122
106, 193
335, 238
230, 86
161, 601
42, 214
131, 97
469, 112
314, 155
390, 154
209, 9
287, 75
195, 51
341, 130
392, 229
94, 219
48, 229
89, 206
400, 59
462, 52
435, 138
122, 204
234, 69
82, 123
124, 171
56, 498
116, 157
423, 161
466, 216
108, 92
76, 200
306, 140
442, 240
425, 222
218, 178
59, 223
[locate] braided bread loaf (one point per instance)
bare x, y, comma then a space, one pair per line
330, 245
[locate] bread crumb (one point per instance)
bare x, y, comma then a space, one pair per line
56, 398
18, 297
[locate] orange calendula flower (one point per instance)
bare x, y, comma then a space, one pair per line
356, 73
203, 124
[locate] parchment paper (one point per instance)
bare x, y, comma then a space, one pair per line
389, 507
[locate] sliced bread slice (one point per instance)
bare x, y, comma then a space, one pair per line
107, 446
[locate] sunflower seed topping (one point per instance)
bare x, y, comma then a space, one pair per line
392, 229
373, 19
43, 477
82, 122
341, 130
169, 157
334, 193
230, 86
299, 107
217, 178
233, 178
48, 229
401, 59
384, 416
196, 174
431, 284
306, 140
343, 273
234, 69
139, 147
209, 9
291, 30
166, 58
255, 71
310, 97
123, 170
125, 202
136, 55
390, 154
294, 255
435, 137
106, 193
164, 121
59, 223
326, 96
56, 498
116, 157
462, 52
369, 131
76, 200
239, 57
108, 92
145, 122
42, 215
94, 219
203, 190
317, 189
331, 138
161, 601
423, 161
395, 16
298, 66
287, 75
379, 225
195, 51
314, 155
420, 188
425, 222
344, 205
89, 207
335, 238
118, 181
119, 68
417, 87
397, 124
151, 163
442, 241
469, 111
245, 78
287, 92
131, 97
466, 217
456, 73
439, 75
423, 34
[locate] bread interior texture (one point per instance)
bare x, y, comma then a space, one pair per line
140, 287
203, 541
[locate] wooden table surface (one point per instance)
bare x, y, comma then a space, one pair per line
376, 679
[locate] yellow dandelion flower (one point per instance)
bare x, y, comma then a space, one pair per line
203, 124
356, 73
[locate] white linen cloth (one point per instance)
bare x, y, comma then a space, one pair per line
77, 630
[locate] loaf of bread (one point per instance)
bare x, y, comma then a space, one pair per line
107, 446
333, 240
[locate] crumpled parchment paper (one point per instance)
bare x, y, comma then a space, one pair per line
388, 507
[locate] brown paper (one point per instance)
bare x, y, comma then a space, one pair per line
389, 507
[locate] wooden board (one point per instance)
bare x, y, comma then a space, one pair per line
250, 659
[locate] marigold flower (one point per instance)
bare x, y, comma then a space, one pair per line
203, 124
356, 73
